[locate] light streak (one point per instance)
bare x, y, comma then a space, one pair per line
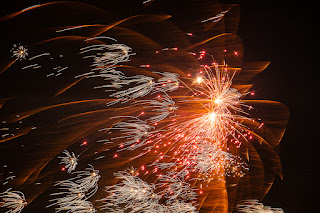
216, 18
37, 56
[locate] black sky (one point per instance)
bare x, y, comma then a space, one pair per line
282, 32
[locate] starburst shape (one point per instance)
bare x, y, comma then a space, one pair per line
19, 52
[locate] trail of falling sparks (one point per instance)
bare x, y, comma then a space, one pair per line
198, 137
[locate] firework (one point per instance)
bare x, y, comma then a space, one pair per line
19, 52
75, 192
136, 195
70, 161
87, 180
132, 131
78, 206
253, 206
141, 92
140, 85
216, 18
162, 107
71, 193
205, 134
14, 201
107, 56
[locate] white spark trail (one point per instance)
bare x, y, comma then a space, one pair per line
37, 56
131, 194
216, 18
253, 206
75, 192
134, 133
162, 106
29, 66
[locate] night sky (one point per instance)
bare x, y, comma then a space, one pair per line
283, 33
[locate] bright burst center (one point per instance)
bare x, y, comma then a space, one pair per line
199, 80
212, 116
218, 101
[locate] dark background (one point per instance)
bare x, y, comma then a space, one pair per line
282, 32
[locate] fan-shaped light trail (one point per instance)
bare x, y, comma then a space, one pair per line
166, 119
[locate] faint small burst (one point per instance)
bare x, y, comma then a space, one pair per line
19, 52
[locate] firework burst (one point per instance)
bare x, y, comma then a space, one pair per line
14, 201
70, 161
140, 92
75, 192
19, 52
